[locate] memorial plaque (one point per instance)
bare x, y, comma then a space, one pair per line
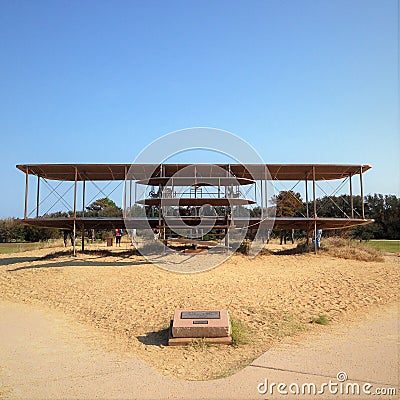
200, 315
201, 324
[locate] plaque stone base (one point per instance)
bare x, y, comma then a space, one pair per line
214, 326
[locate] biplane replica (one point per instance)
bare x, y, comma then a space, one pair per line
169, 198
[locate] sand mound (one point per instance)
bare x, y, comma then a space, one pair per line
132, 301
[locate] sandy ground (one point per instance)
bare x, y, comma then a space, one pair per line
48, 356
129, 302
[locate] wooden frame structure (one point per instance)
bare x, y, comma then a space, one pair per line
227, 179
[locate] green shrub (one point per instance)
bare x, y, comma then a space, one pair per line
320, 320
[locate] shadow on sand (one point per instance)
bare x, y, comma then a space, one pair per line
95, 260
16, 260
158, 338
301, 248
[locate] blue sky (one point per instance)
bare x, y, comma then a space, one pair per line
301, 81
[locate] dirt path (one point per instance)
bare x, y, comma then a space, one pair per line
44, 355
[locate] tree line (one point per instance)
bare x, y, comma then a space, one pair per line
384, 209
12, 229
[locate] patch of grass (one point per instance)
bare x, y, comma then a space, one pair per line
240, 334
350, 249
199, 344
7, 248
321, 320
222, 375
391, 246
233, 367
339, 247
284, 324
